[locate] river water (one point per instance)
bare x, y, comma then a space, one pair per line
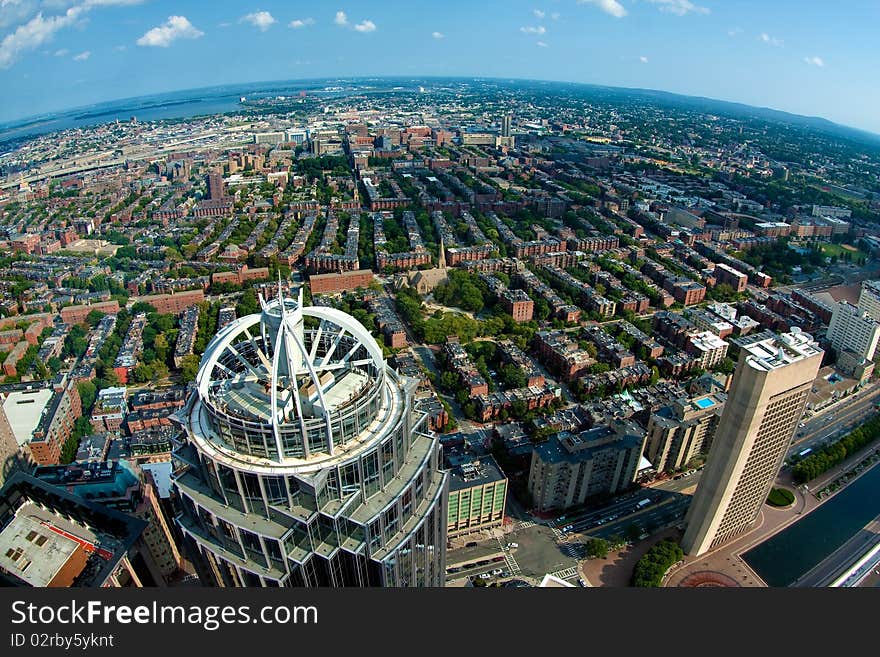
783, 558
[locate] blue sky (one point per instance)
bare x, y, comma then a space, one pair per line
806, 56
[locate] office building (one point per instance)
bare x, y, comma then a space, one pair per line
766, 401
122, 486
853, 329
505, 125
570, 468
869, 299
52, 538
477, 494
305, 461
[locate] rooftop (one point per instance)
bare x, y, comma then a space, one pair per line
24, 409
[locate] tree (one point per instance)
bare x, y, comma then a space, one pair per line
189, 367
597, 548
94, 317
88, 392
248, 304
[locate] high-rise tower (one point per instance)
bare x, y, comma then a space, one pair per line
765, 404
305, 461
505, 125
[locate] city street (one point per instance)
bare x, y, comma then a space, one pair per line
836, 421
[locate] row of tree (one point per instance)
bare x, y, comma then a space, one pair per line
836, 453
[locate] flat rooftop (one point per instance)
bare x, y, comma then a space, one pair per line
782, 350
34, 553
23, 409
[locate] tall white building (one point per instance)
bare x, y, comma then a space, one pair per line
853, 329
765, 404
869, 299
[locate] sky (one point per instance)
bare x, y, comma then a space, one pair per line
810, 57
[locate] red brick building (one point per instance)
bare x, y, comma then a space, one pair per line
331, 283
78, 314
173, 303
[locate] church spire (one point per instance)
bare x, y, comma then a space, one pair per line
442, 259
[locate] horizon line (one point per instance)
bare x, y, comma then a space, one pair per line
10, 123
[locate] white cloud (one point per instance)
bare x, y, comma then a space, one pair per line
31, 35
555, 15
679, 7
61, 52
176, 27
365, 26
611, 7
773, 41
538, 13
341, 18
83, 56
438, 35
541, 44
262, 20
734, 31
815, 61
643, 59
15, 11
539, 29
301, 22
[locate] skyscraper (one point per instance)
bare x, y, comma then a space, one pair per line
505, 125
305, 462
765, 404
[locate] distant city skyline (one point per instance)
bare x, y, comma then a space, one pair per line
60, 54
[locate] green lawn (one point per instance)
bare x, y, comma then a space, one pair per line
780, 497
836, 249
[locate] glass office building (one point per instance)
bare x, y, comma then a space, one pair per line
305, 462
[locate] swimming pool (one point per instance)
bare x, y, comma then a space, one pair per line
704, 403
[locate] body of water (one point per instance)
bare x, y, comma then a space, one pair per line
783, 558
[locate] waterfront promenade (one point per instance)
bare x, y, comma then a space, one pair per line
728, 559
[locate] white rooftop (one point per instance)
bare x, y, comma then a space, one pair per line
785, 349
33, 552
23, 409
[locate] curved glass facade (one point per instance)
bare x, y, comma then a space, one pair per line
361, 505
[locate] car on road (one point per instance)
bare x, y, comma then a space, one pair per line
568, 528
497, 558
485, 576
497, 571
471, 544
513, 545
484, 562
581, 582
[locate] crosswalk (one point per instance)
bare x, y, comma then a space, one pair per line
574, 550
512, 565
525, 524
566, 573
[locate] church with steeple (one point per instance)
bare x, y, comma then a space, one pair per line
424, 281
